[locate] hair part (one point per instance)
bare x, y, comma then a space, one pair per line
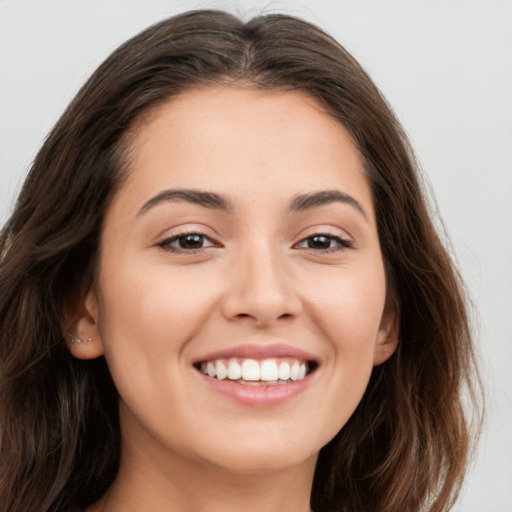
406, 446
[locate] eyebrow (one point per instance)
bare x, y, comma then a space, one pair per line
314, 199
209, 200
214, 201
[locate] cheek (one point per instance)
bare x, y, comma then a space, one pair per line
347, 310
347, 307
149, 313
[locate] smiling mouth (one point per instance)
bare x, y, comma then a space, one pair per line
254, 372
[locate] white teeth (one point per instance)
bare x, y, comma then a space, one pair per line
250, 371
234, 370
221, 370
284, 371
269, 370
302, 371
294, 371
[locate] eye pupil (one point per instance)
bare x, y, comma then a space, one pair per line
319, 242
192, 241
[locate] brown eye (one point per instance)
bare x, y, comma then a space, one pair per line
319, 242
324, 242
192, 241
187, 242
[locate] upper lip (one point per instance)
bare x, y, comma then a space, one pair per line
258, 351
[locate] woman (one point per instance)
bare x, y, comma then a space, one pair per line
222, 289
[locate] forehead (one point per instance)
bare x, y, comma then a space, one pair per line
226, 139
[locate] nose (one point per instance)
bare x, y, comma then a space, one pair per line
261, 290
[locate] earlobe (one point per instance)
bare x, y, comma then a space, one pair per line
83, 335
387, 338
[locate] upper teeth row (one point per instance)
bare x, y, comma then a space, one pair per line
253, 370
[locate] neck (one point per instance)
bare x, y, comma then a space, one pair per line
163, 483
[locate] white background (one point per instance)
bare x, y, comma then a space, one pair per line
445, 66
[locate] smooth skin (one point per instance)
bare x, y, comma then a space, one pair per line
178, 280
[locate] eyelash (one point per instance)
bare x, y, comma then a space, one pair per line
166, 244
342, 244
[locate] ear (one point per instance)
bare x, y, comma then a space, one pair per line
82, 332
387, 336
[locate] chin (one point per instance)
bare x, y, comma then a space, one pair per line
262, 453
263, 463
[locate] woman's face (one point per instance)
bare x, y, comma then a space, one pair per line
241, 252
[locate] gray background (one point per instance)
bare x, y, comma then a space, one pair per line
445, 66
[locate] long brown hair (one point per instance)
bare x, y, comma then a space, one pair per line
405, 447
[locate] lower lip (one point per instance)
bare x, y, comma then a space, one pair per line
259, 395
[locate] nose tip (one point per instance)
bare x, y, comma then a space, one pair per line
261, 291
